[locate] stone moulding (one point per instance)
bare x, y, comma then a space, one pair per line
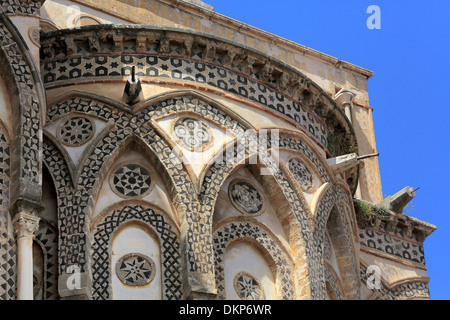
23, 82
397, 224
392, 235
406, 289
111, 50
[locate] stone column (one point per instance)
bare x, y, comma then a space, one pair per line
25, 226
344, 99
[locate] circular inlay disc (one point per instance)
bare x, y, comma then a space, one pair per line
131, 180
135, 269
76, 131
247, 287
301, 174
246, 198
192, 134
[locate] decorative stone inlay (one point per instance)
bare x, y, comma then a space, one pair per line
131, 180
388, 244
76, 131
20, 7
327, 247
167, 55
247, 287
301, 174
192, 134
170, 263
34, 34
246, 198
135, 269
47, 238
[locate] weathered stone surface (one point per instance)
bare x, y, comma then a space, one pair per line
189, 159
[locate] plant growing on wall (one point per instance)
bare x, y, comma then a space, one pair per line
338, 144
368, 213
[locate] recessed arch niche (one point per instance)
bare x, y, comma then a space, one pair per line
135, 263
248, 274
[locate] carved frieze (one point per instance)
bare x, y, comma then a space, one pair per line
226, 66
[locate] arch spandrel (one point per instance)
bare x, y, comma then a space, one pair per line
134, 175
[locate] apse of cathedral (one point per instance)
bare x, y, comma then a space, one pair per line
156, 149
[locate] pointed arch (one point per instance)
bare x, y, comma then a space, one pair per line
47, 238
102, 235
191, 103
330, 215
127, 127
299, 217
7, 243
26, 92
136, 143
248, 229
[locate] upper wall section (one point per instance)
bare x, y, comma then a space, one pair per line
328, 72
191, 59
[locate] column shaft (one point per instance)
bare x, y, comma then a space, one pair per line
24, 226
25, 269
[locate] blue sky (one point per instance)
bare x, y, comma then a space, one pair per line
409, 56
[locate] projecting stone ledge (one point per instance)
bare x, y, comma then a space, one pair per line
376, 217
199, 3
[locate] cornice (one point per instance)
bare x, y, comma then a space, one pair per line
179, 43
397, 224
213, 16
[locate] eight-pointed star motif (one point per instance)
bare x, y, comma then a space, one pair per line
76, 131
135, 269
248, 288
132, 180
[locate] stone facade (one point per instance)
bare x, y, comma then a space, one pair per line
159, 150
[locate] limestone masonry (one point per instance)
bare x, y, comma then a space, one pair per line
156, 149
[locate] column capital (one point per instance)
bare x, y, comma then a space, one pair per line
25, 225
344, 97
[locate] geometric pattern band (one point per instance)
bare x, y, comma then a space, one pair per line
389, 244
154, 66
